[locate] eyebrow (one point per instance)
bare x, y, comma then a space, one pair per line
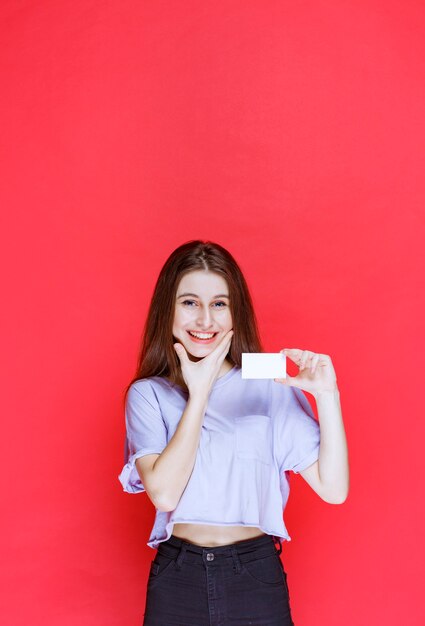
220, 295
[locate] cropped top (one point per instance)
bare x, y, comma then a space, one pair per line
254, 433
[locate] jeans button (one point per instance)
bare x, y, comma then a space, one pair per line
210, 556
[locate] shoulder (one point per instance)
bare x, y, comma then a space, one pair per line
151, 383
144, 388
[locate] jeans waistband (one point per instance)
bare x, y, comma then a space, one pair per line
246, 550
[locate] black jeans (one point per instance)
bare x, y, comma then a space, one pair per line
232, 585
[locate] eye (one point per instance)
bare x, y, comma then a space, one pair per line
193, 301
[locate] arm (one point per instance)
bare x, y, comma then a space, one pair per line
166, 475
329, 475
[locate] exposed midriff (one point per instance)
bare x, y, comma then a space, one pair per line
212, 536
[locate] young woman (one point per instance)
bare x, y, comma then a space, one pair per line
214, 451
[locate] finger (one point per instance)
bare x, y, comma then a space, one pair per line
223, 346
314, 362
181, 352
293, 353
225, 340
306, 359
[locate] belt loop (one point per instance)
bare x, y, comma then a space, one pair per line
236, 560
180, 556
279, 541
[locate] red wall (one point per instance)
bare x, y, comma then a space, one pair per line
292, 134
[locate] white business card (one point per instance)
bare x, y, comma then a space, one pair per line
263, 365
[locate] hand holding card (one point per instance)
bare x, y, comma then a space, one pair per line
263, 365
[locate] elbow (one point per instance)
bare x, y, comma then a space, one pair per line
162, 503
339, 498
335, 493
161, 500
164, 507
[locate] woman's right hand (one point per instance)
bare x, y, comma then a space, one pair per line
201, 375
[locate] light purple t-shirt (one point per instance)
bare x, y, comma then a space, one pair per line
254, 432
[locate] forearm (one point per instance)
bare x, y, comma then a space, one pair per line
333, 457
173, 467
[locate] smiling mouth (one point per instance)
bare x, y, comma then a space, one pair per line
202, 336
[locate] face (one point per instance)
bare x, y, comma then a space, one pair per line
202, 306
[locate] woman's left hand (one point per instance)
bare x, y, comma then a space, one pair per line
316, 371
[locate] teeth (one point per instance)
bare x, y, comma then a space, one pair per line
202, 335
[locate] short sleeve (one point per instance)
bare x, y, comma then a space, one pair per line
298, 430
146, 432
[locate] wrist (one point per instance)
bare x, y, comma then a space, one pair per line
198, 397
326, 393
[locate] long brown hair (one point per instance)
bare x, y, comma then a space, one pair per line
157, 356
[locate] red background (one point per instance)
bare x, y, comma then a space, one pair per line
292, 134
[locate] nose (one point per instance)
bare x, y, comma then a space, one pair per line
204, 319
